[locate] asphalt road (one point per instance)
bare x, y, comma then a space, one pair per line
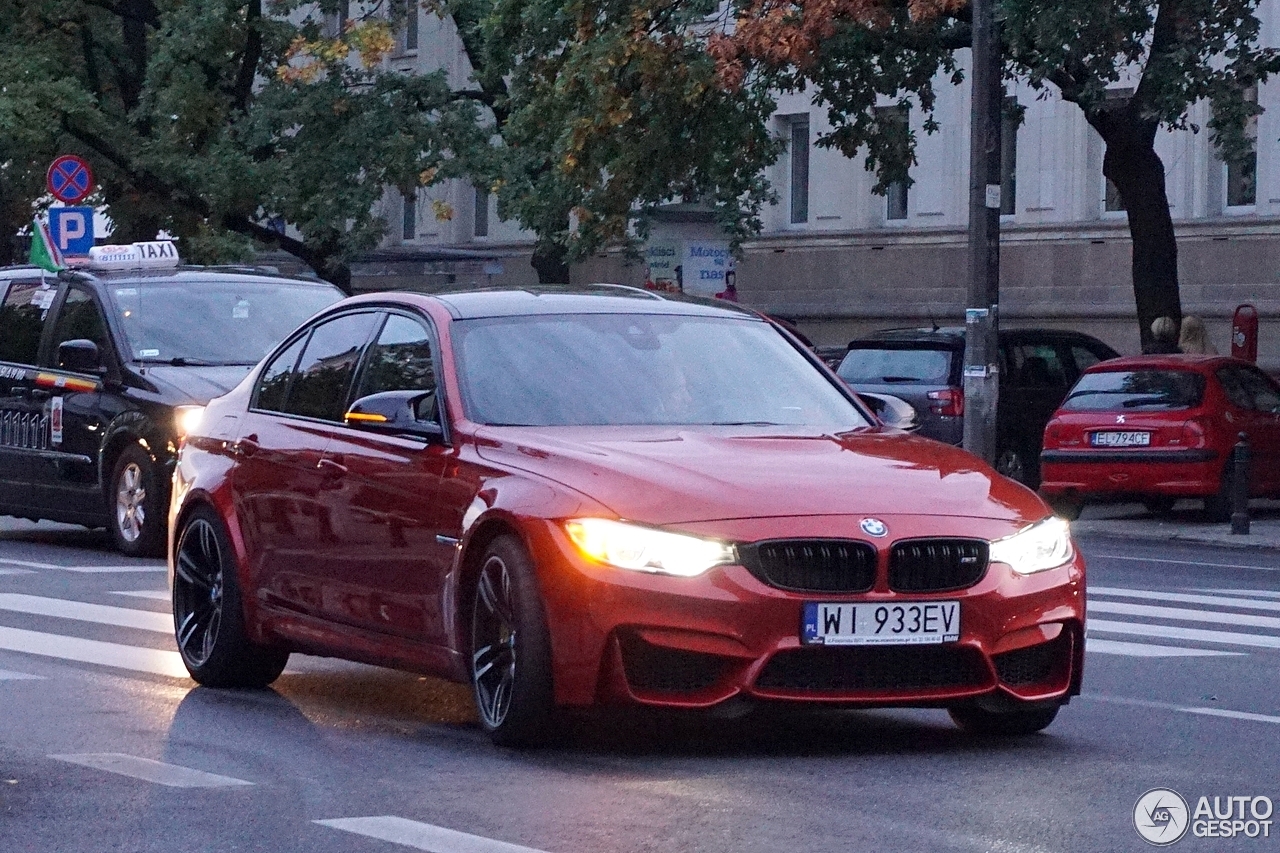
104, 746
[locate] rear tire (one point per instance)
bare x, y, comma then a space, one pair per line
1066, 507
510, 648
137, 504
1159, 504
1015, 723
208, 610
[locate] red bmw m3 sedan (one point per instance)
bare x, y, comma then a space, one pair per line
605, 495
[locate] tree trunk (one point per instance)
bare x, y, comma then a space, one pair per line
1131, 163
551, 263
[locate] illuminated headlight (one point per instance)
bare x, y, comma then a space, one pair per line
186, 419
643, 549
1042, 546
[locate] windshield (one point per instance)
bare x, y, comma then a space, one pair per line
639, 369
213, 321
1136, 390
868, 366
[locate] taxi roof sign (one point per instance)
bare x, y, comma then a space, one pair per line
154, 255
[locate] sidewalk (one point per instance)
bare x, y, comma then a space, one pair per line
1185, 524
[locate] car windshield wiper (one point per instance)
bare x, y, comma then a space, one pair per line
900, 379
745, 423
183, 361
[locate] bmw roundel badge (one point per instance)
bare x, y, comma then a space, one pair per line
874, 527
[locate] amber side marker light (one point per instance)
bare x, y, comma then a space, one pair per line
366, 417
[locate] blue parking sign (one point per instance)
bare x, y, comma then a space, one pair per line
72, 229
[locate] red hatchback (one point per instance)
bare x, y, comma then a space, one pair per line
605, 495
1159, 428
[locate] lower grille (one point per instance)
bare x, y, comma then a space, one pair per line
813, 565
936, 565
663, 670
875, 668
1032, 665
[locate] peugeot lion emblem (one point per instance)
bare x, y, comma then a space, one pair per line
1119, 419
874, 527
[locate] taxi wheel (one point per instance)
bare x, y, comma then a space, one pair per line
208, 613
137, 502
510, 648
980, 721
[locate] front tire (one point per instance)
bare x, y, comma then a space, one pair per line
208, 611
137, 502
1014, 723
510, 648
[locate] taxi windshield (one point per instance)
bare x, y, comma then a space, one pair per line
213, 321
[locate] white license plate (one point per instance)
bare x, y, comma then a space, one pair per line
1120, 439
889, 624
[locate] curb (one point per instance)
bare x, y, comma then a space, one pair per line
1132, 530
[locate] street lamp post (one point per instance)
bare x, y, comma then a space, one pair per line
981, 352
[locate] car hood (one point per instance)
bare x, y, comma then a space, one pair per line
197, 384
673, 475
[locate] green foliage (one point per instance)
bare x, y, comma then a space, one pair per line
207, 119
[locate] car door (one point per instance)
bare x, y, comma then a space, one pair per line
24, 408
279, 482
1257, 402
386, 573
66, 479
1035, 380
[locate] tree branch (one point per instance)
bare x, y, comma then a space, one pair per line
243, 86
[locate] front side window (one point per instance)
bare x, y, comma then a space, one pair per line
22, 316
322, 379
273, 384
641, 369
80, 319
1037, 366
400, 360
1136, 391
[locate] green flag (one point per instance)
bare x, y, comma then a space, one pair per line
44, 253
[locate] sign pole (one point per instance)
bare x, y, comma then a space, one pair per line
981, 352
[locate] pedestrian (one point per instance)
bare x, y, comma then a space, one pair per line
1194, 338
1164, 337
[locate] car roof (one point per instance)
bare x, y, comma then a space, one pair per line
580, 299
188, 274
953, 336
1172, 361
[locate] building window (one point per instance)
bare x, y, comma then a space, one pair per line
896, 120
1009, 157
335, 23
482, 212
1242, 170
409, 224
799, 151
411, 25
1112, 203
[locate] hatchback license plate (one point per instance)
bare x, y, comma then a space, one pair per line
890, 624
1120, 439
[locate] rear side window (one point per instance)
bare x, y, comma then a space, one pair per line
872, 366
1136, 391
22, 316
1037, 366
1249, 388
323, 376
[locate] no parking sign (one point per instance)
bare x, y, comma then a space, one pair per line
69, 179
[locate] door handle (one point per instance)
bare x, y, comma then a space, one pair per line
246, 446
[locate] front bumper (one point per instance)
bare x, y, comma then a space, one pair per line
627, 637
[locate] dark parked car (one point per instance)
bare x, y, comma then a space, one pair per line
103, 368
924, 367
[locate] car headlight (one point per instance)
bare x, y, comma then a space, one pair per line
186, 419
644, 549
1042, 546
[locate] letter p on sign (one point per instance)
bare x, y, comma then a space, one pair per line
72, 229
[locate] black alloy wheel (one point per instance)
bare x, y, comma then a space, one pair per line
1011, 723
137, 501
208, 615
510, 648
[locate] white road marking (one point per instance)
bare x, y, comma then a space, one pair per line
1184, 562
124, 617
1185, 598
422, 836
6, 675
151, 771
1261, 593
155, 661
1183, 614
1148, 650
16, 572
1234, 715
1229, 638
136, 567
150, 594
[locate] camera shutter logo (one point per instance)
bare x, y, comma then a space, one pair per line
1161, 816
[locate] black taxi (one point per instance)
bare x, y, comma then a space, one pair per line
104, 366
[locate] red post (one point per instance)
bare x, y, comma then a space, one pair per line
1244, 333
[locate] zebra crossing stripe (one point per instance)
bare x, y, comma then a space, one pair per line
154, 661
422, 836
1183, 614
1183, 598
1173, 632
61, 608
172, 775
1149, 650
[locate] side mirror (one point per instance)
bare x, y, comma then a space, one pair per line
397, 413
893, 412
79, 356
